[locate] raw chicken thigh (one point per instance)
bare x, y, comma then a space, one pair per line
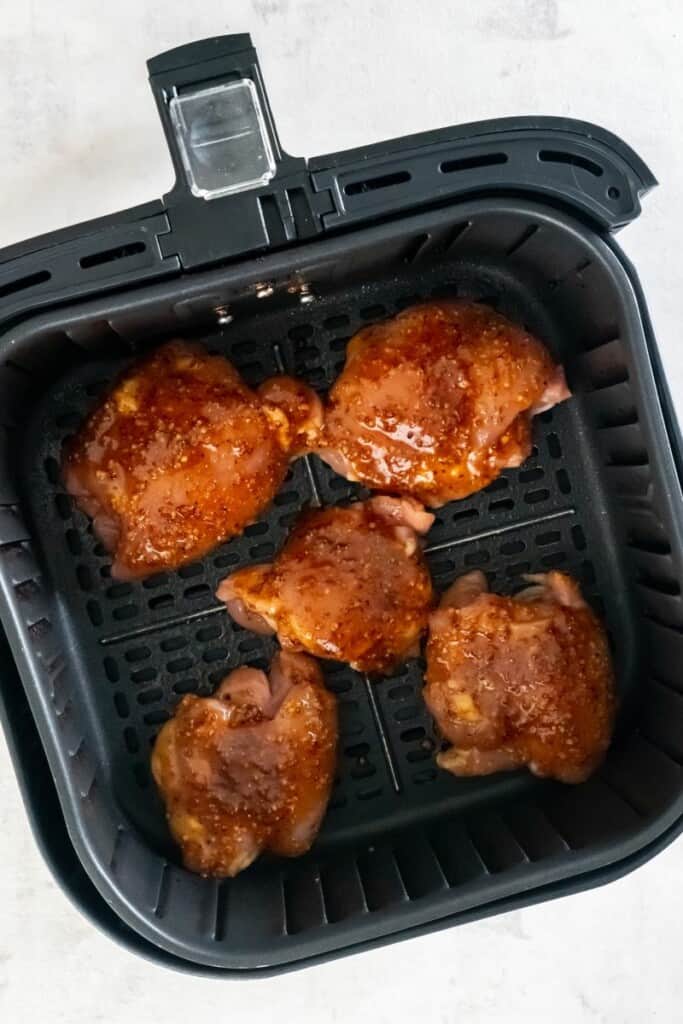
523, 681
251, 768
349, 584
437, 401
182, 455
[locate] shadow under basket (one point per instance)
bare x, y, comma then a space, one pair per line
403, 845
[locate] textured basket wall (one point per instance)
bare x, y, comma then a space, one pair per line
104, 662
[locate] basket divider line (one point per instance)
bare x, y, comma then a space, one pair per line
519, 524
316, 500
386, 749
155, 627
177, 620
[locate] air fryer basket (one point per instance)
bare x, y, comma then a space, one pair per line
404, 846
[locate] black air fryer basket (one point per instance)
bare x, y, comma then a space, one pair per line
276, 262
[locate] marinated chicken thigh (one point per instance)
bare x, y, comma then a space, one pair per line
437, 401
523, 681
350, 584
182, 455
251, 768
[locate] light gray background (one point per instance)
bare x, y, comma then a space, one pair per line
79, 137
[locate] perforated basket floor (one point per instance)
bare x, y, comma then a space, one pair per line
150, 642
402, 841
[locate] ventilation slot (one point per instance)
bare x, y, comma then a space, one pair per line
121, 252
590, 814
661, 584
498, 847
24, 282
342, 889
157, 717
604, 367
304, 906
414, 250
469, 163
534, 833
419, 868
648, 537
381, 879
242, 925
643, 776
662, 720
554, 156
455, 235
525, 236
458, 857
356, 188
624, 446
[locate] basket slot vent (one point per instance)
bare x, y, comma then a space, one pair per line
419, 867
534, 833
20, 284
458, 857
120, 252
612, 406
469, 163
456, 235
623, 446
666, 610
350, 724
381, 879
255, 908
661, 719
135, 654
342, 888
555, 156
658, 576
522, 240
630, 482
362, 765
163, 890
379, 181
303, 899
604, 366
14, 387
495, 842
591, 813
665, 646
415, 248
646, 534
137, 871
643, 775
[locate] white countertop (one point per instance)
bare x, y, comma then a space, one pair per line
79, 137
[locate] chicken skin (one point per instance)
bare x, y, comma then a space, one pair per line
437, 401
181, 455
523, 681
350, 584
251, 768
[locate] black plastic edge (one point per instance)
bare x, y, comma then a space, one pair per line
671, 419
281, 212
120, 253
571, 163
198, 51
651, 833
77, 232
473, 129
305, 200
49, 831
